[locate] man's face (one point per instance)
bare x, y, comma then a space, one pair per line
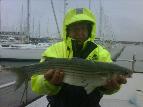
79, 31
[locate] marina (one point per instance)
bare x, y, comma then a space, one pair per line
35, 27
15, 51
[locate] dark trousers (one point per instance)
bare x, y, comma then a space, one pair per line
75, 96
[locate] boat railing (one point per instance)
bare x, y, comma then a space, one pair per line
133, 61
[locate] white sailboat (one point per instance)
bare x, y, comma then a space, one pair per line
10, 49
22, 51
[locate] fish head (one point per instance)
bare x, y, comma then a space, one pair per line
126, 73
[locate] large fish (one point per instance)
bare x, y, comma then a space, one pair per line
77, 72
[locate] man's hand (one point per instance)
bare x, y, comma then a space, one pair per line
115, 82
54, 76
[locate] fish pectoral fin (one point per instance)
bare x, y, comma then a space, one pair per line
89, 88
92, 85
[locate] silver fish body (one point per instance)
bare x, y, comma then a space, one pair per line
77, 72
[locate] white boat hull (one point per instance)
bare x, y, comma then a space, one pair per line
33, 52
21, 53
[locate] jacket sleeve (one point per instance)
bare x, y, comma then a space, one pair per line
103, 55
42, 86
39, 84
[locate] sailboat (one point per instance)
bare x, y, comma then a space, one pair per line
12, 50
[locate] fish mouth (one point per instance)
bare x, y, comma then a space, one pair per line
128, 75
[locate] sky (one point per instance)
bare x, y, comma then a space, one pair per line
121, 18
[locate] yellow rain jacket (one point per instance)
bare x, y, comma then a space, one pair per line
64, 50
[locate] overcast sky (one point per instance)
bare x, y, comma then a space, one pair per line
122, 17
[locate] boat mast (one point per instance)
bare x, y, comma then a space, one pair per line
48, 27
89, 4
28, 22
39, 28
100, 17
0, 18
21, 21
33, 29
65, 6
55, 17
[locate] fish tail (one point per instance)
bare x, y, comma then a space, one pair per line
4, 68
22, 77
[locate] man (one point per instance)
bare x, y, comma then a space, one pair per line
79, 30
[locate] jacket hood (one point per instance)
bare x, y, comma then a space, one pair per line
77, 15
